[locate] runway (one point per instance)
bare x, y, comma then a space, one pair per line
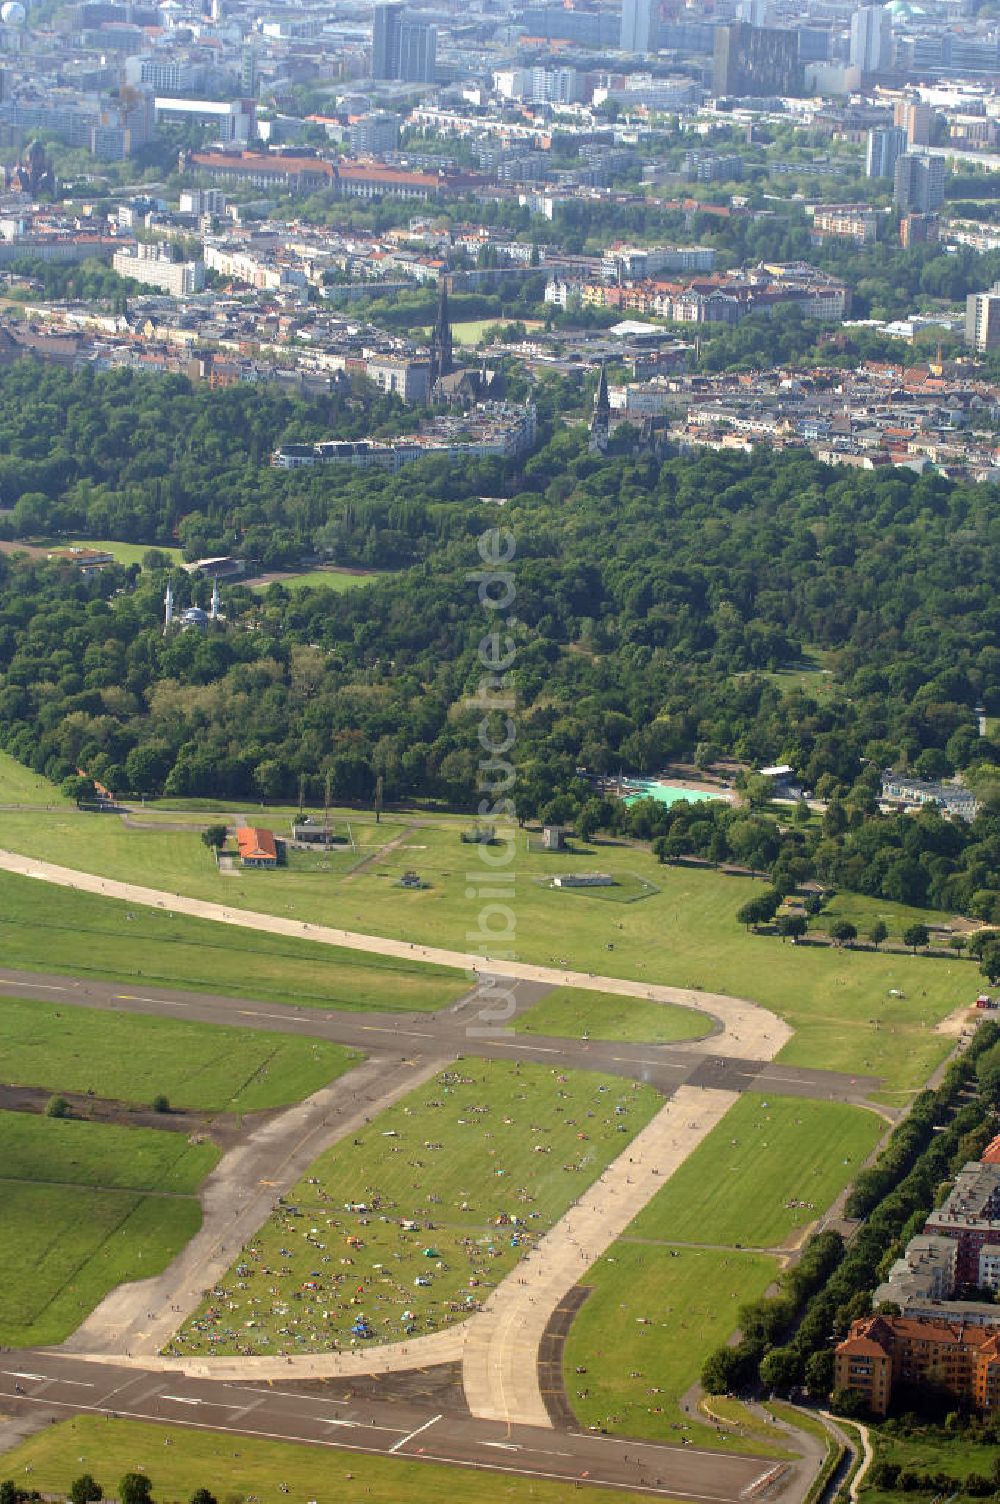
342, 1419
455, 1031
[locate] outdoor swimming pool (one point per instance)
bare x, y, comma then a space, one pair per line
666, 793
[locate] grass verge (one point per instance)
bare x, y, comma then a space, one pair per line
768, 1170
569, 1012
133, 1058
643, 1334
179, 1461
84, 1207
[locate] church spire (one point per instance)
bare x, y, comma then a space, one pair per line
600, 423
441, 347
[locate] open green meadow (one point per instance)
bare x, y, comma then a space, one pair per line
19, 785
770, 1168
410, 1226
49, 929
644, 1332
84, 1207
686, 933
323, 579
929, 1451
126, 553
64, 1151
179, 1461
133, 1058
569, 1012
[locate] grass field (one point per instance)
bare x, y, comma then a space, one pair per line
19, 785
838, 1001
53, 929
323, 579
928, 1451
484, 1141
126, 553
179, 1461
739, 1184
471, 331
569, 1012
85, 1206
134, 1058
645, 1331
61, 1151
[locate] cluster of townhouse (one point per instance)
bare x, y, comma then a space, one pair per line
711, 298
935, 1339
876, 415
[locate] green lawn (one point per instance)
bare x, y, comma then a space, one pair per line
126, 553
645, 1331
569, 1012
63, 1150
928, 1451
324, 579
471, 331
77, 1216
134, 1058
686, 933
484, 1140
234, 1467
19, 785
740, 1184
52, 929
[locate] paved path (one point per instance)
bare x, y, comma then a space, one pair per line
56, 1385
456, 1030
748, 1032
500, 1368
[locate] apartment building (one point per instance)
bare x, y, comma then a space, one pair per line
881, 1352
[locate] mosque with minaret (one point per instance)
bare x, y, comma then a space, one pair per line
193, 618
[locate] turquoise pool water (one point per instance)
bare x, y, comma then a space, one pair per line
666, 793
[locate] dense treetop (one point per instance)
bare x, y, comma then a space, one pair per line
665, 611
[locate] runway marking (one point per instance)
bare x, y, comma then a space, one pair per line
313, 1399
539, 1049
425, 1427
346, 1446
503, 1446
37, 986
183, 1399
14, 1374
161, 1002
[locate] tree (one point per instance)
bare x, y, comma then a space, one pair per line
781, 1369
878, 933
160, 1103
792, 926
78, 788
85, 1490
203, 1496
843, 932
916, 936
214, 836
57, 1107
846, 1402
819, 1371
135, 1488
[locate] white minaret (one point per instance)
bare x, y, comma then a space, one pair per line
214, 613
168, 608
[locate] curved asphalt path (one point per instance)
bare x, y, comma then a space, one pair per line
748, 1031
